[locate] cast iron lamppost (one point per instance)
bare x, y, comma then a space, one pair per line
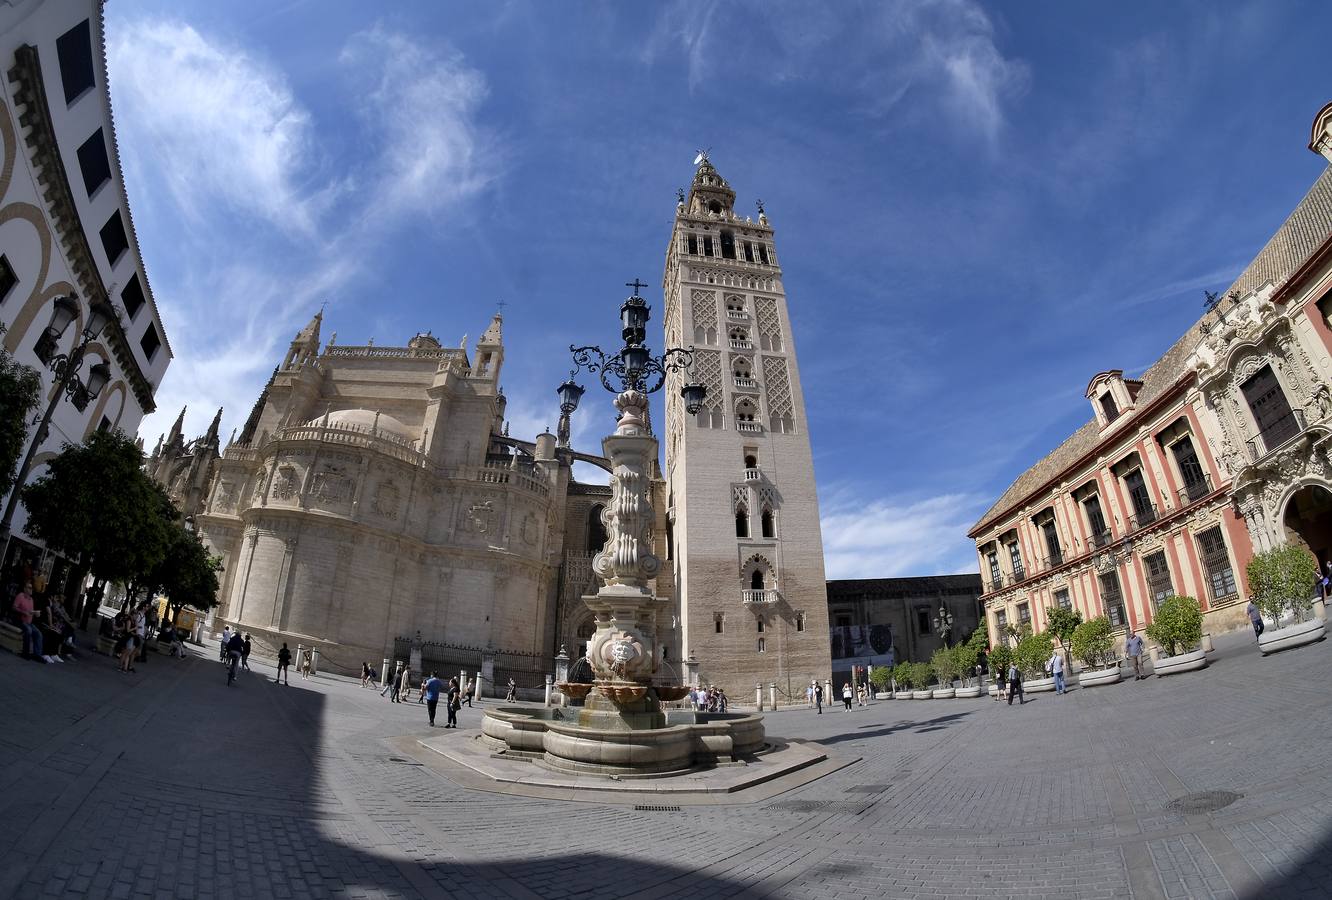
68, 384
943, 623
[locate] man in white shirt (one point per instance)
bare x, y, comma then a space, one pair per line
1133, 647
226, 636
1056, 668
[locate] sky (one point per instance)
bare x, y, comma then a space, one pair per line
977, 206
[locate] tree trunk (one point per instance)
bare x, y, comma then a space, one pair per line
91, 600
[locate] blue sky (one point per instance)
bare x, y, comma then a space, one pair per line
977, 207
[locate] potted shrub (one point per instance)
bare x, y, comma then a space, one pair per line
902, 681
943, 664
1000, 656
882, 679
1031, 655
966, 656
1093, 642
920, 681
1281, 584
1177, 629
1060, 623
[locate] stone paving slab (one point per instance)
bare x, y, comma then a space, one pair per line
167, 783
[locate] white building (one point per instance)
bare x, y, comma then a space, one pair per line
65, 225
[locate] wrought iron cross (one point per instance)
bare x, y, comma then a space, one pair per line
636, 285
1211, 301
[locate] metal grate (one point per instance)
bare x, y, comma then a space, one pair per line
1202, 802
656, 809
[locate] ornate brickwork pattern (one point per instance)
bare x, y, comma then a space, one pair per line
769, 325
708, 370
778, 383
705, 309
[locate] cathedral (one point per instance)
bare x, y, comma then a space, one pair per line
375, 506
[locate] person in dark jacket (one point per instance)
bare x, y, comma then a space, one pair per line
454, 700
1015, 684
245, 654
284, 660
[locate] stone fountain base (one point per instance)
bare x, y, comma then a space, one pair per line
623, 739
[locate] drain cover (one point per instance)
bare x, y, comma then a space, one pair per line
1203, 802
656, 809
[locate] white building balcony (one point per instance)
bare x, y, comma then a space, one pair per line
751, 597
742, 381
751, 427
742, 345
738, 315
754, 474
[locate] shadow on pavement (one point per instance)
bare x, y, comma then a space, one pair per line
870, 731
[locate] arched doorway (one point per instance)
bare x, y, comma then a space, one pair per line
1308, 521
596, 529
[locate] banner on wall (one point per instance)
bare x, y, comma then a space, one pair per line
862, 645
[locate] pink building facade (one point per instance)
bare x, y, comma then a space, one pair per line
1219, 450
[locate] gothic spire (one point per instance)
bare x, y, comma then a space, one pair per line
493, 334
310, 333
211, 437
177, 429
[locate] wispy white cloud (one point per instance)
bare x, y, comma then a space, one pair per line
880, 538
220, 141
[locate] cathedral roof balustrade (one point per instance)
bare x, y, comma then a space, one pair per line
386, 442
370, 351
500, 475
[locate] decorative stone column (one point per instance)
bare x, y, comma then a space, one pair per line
383, 678
772, 696
691, 671
758, 696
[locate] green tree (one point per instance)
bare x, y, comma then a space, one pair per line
1177, 625
944, 666
1000, 656
186, 574
1062, 622
20, 392
882, 677
902, 674
1093, 641
95, 505
968, 654
1282, 578
1033, 652
920, 675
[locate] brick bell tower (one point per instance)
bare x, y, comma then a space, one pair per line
743, 514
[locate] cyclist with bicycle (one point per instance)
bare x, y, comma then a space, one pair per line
235, 647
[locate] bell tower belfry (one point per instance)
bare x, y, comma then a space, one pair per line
743, 513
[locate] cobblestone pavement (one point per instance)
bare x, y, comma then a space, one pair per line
167, 783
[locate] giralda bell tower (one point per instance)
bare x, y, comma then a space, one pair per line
742, 509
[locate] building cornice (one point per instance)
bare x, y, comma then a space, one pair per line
30, 94
1129, 427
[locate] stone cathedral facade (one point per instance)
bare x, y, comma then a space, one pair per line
747, 551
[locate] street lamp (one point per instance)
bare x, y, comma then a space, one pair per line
68, 384
943, 623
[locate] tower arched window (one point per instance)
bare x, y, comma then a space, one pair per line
756, 580
767, 524
745, 410
741, 522
739, 336
742, 368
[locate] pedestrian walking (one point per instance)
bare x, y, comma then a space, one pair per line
846, 694
284, 660
403, 685
307, 662
245, 654
1256, 618
420, 698
1000, 682
809, 695
721, 700
512, 696
235, 648
1056, 668
453, 701
391, 680
226, 639
431, 691
1015, 684
1133, 647
367, 675
818, 697
470, 690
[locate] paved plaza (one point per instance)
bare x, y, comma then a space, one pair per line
168, 784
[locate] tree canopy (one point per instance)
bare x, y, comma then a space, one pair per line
20, 392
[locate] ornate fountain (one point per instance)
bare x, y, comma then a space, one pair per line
621, 728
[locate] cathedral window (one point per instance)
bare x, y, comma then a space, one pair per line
751, 460
596, 531
741, 368
714, 207
769, 528
741, 522
762, 646
763, 254
800, 622
745, 411
693, 245
727, 245
719, 623
707, 245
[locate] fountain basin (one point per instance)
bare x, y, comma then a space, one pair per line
690, 741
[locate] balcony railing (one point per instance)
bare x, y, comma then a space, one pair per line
754, 474
753, 427
1018, 574
738, 314
1143, 517
1054, 559
992, 586
1101, 538
760, 596
742, 382
1275, 434
1193, 491
741, 345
